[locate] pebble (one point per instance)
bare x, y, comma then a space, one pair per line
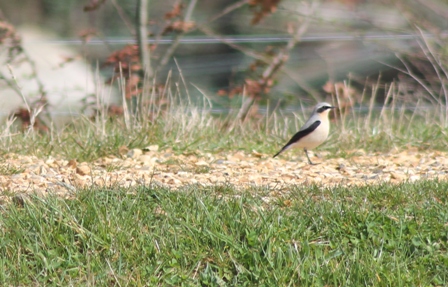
147, 159
83, 169
201, 163
151, 148
134, 153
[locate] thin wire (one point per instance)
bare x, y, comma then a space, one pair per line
242, 39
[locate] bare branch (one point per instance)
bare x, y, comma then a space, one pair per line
170, 51
228, 10
190, 10
142, 38
18, 55
124, 18
275, 65
410, 73
428, 47
281, 58
249, 52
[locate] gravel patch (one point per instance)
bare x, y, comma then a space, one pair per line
21, 174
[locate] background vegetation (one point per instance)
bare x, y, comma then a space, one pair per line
311, 49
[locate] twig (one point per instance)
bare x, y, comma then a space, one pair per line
409, 72
170, 51
43, 94
245, 106
19, 89
113, 273
275, 65
172, 48
183, 81
249, 52
33, 117
124, 18
190, 10
228, 10
18, 55
300, 82
281, 58
437, 66
122, 86
435, 7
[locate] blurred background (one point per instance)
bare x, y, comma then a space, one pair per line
276, 52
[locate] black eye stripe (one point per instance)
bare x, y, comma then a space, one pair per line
321, 109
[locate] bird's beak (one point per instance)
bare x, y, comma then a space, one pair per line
333, 107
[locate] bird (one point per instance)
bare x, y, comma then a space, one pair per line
313, 133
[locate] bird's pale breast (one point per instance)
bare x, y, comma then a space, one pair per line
316, 138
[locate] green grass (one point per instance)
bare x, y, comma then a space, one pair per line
369, 236
7, 169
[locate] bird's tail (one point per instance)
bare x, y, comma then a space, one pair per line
286, 147
282, 150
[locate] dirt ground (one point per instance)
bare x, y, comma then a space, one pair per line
29, 174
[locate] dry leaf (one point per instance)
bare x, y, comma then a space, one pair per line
93, 5
262, 8
176, 12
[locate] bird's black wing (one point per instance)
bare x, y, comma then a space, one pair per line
299, 135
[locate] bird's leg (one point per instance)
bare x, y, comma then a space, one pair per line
309, 161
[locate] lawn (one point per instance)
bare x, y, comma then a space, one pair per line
308, 236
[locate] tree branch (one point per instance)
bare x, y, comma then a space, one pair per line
170, 51
142, 38
124, 18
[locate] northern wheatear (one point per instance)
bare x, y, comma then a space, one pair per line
313, 133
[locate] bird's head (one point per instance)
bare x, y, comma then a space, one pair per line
323, 108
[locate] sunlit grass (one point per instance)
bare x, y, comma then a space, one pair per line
367, 236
